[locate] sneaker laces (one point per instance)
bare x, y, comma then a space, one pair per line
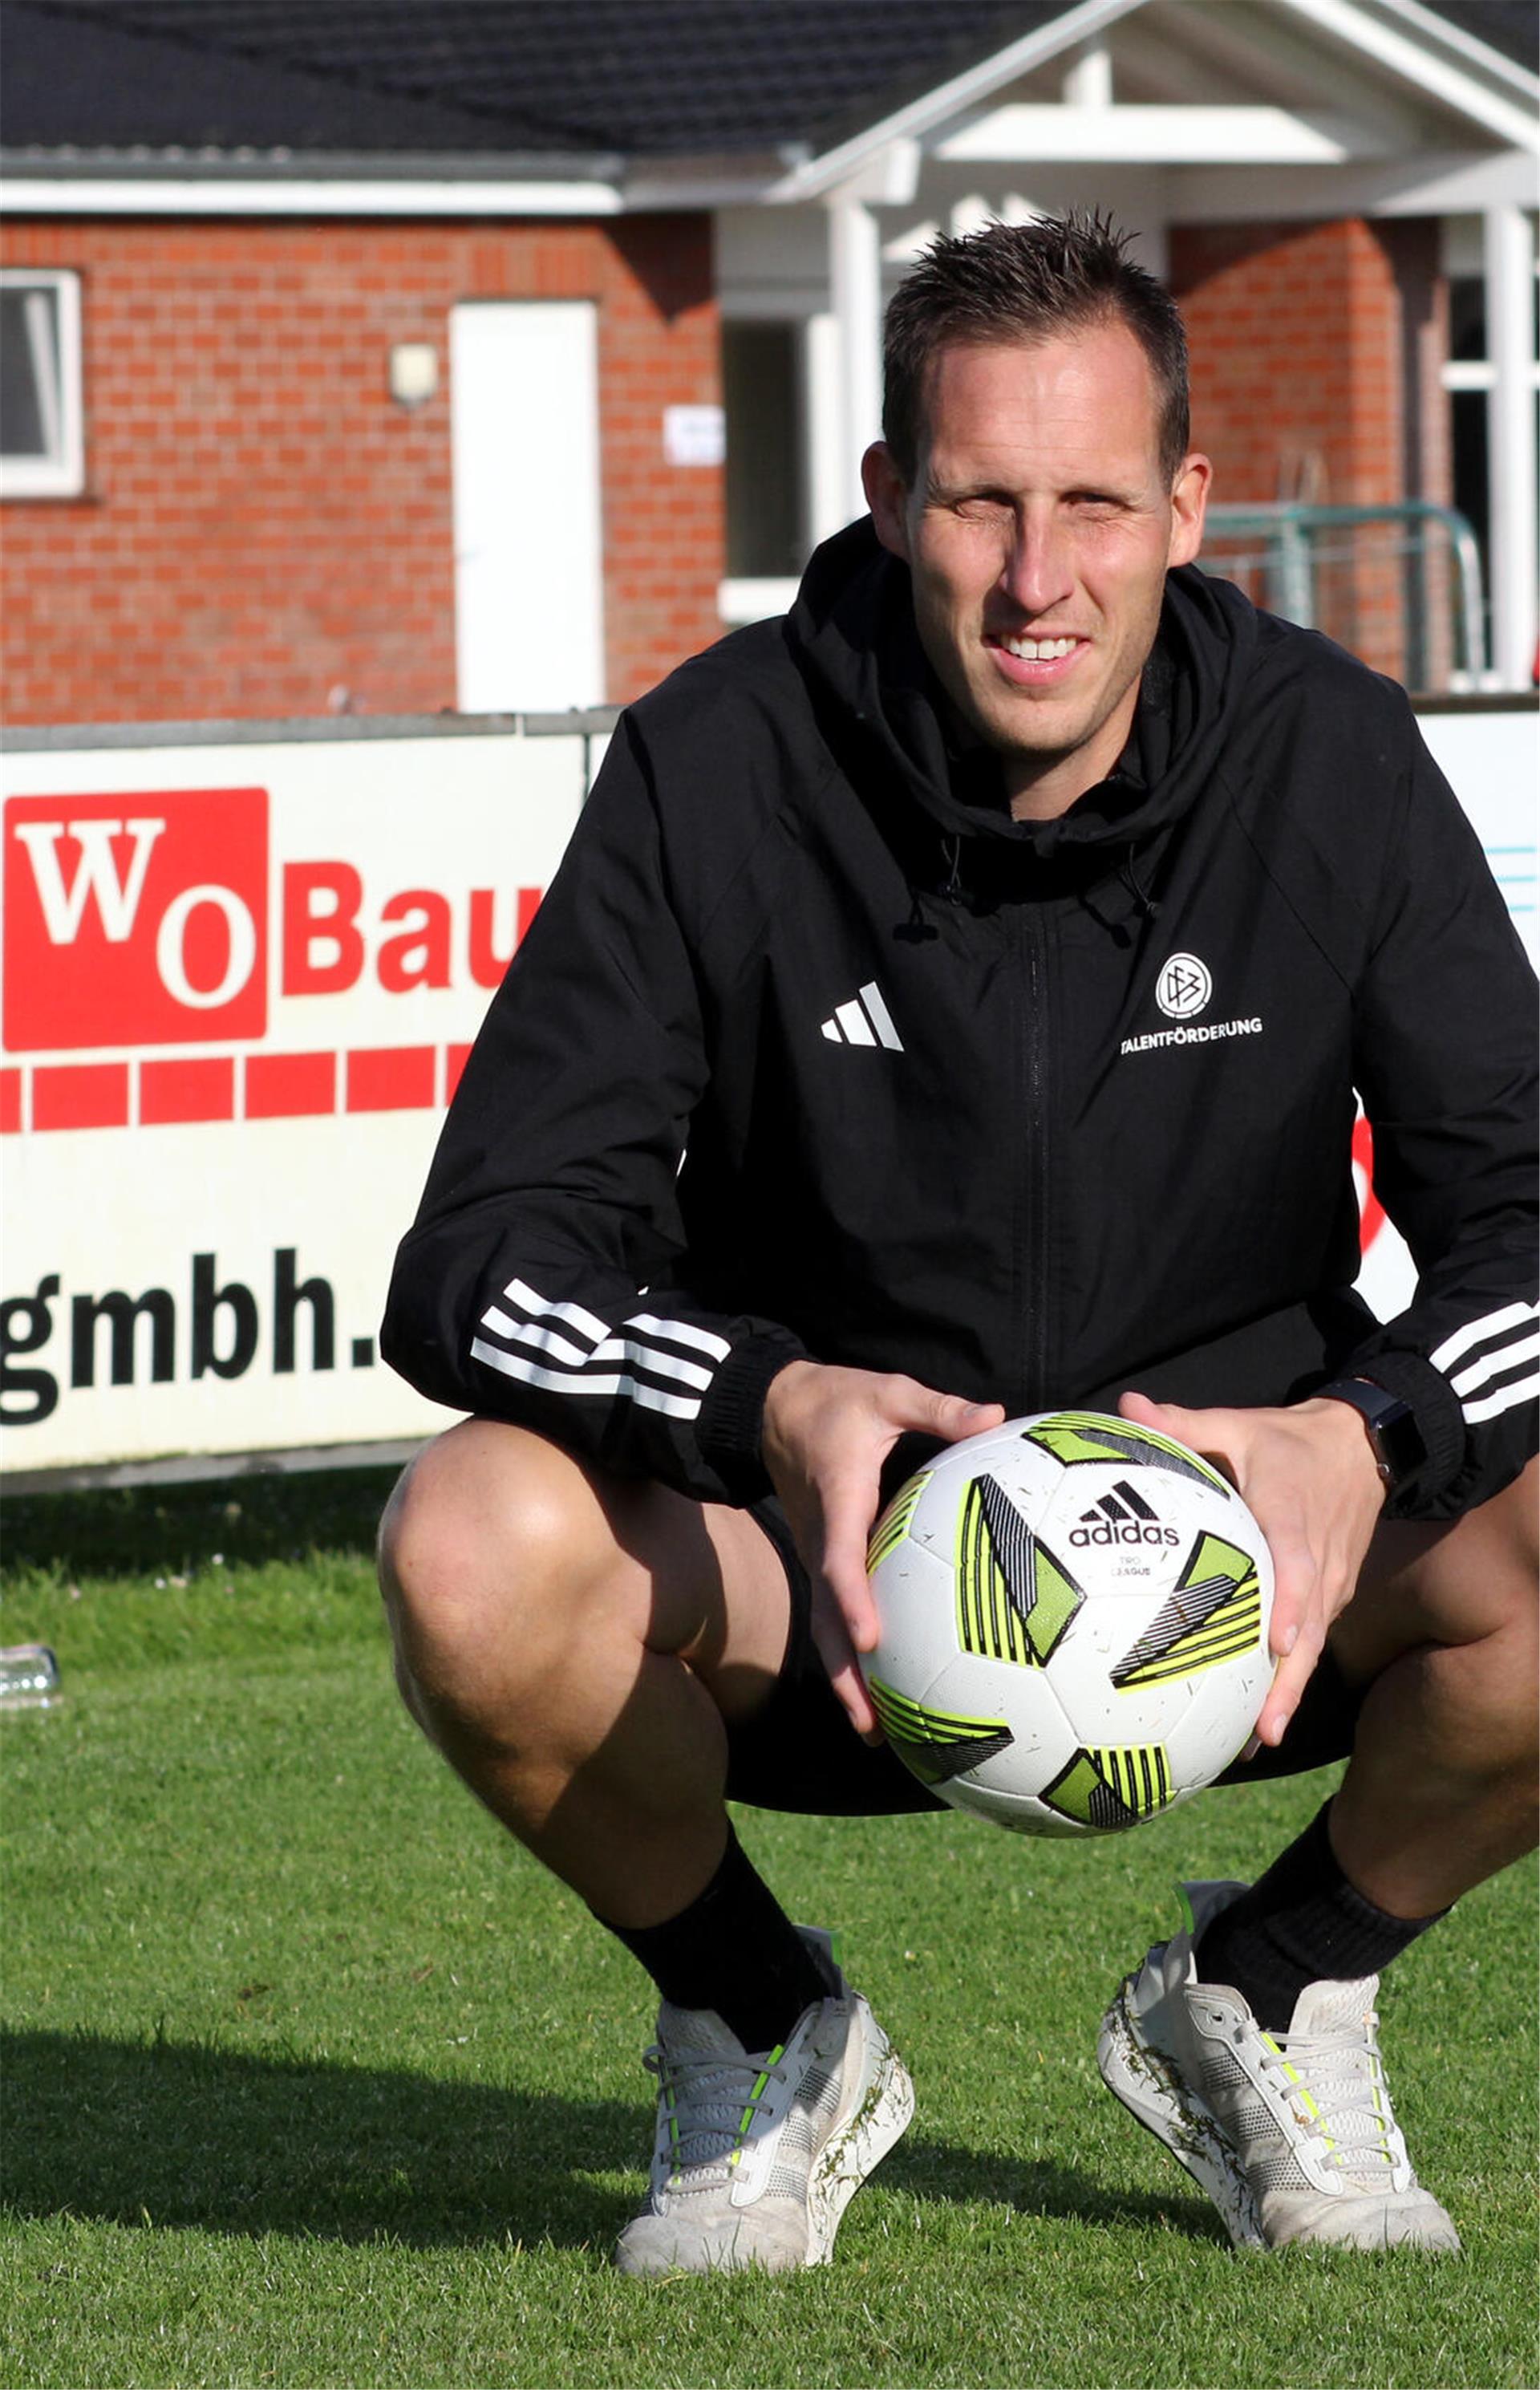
710, 2099
1338, 2069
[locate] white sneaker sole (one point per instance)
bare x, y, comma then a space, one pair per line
1140, 2074
849, 2155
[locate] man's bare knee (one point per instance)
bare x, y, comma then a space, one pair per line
489, 1550
1469, 1581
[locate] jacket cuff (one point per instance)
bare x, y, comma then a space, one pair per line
1435, 1406
730, 1428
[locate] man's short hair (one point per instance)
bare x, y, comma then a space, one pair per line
1028, 282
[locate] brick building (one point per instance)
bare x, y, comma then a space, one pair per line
262, 529
370, 358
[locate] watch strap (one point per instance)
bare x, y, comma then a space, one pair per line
1395, 1438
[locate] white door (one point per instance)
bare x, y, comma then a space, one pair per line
529, 609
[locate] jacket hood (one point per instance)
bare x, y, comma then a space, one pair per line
852, 633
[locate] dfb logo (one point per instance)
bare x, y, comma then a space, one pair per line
1184, 987
136, 920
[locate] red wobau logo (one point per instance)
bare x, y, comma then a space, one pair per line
136, 920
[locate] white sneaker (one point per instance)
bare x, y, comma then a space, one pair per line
1291, 2135
758, 2155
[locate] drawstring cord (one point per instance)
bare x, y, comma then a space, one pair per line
916, 927
1117, 930
1148, 905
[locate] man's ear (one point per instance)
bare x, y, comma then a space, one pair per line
1189, 496
888, 496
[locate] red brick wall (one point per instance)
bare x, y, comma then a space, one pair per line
262, 524
1315, 350
1296, 357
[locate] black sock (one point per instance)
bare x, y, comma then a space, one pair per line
1300, 1921
734, 1949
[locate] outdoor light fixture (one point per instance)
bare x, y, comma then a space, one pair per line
414, 372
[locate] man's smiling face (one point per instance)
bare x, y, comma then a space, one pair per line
1038, 532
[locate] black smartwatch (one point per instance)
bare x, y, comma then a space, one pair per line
1395, 1435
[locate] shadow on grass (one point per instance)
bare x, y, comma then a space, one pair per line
939, 2171
183, 2135
259, 1515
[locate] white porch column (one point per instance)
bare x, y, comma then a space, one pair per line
855, 286
827, 486
1509, 261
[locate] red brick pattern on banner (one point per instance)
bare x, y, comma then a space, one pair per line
392, 1079
208, 1088
199, 1089
284, 1087
263, 527
81, 1094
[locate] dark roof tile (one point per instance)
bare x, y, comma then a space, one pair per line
1510, 26
650, 77
543, 77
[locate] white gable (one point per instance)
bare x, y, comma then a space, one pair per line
1195, 83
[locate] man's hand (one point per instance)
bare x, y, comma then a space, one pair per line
1308, 1476
827, 1433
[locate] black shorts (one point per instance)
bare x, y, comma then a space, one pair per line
801, 1752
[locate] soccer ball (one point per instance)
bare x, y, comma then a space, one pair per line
1073, 1616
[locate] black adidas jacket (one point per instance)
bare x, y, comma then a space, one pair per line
811, 1049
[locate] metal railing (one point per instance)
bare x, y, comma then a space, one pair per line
1401, 584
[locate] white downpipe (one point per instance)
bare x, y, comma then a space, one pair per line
856, 282
1509, 258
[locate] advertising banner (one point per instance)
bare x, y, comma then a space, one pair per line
239, 983
240, 977
1489, 752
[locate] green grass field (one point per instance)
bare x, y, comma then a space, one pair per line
310, 2078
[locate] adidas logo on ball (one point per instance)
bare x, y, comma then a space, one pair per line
1122, 1517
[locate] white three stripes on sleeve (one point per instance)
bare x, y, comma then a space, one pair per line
1502, 1341
601, 1363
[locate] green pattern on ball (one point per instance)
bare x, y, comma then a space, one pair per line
1074, 1436
1214, 1615
936, 1744
893, 1525
1112, 1787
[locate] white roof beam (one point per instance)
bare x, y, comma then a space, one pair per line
217, 196
1160, 135
1443, 31
1447, 183
1268, 54
978, 83
1412, 56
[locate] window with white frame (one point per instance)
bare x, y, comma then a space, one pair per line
1485, 481
42, 443
785, 485
767, 500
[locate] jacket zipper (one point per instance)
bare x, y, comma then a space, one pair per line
1035, 1275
